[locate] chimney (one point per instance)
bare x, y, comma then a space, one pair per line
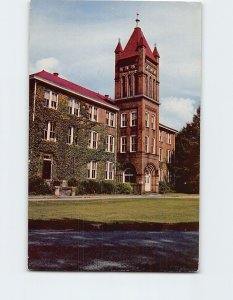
106, 96
56, 74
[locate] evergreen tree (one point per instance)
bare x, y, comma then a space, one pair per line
187, 157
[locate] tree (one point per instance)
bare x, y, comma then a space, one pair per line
186, 164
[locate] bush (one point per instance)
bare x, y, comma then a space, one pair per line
123, 188
89, 187
72, 181
108, 187
164, 187
38, 186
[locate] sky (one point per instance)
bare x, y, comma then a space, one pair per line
77, 40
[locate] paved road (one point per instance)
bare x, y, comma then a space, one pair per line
133, 251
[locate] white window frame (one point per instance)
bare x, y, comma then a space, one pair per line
92, 170
110, 119
124, 120
70, 135
93, 143
48, 102
147, 144
133, 120
153, 121
147, 119
50, 130
123, 145
110, 143
169, 156
160, 154
109, 170
74, 107
93, 113
132, 137
160, 136
168, 138
153, 146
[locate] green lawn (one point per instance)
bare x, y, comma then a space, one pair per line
118, 210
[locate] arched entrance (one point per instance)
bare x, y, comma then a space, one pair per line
149, 178
129, 174
147, 181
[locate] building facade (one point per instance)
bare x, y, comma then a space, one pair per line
122, 137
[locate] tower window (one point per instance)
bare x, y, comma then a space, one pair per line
123, 120
153, 122
133, 143
129, 86
133, 118
147, 144
123, 87
123, 145
147, 119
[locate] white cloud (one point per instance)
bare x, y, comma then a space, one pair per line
176, 112
50, 64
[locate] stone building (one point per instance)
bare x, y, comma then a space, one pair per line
142, 148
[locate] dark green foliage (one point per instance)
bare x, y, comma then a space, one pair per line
72, 181
164, 187
103, 187
187, 158
38, 186
124, 188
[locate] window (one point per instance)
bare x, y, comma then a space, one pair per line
147, 144
153, 122
123, 87
154, 89
168, 138
74, 107
110, 119
123, 144
109, 143
129, 175
70, 135
49, 132
160, 154
147, 90
50, 99
93, 113
93, 140
147, 119
92, 170
153, 146
160, 136
169, 156
129, 86
133, 143
133, 118
123, 120
109, 170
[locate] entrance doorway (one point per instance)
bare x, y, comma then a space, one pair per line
147, 181
47, 167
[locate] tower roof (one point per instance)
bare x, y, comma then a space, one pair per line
155, 52
118, 47
133, 43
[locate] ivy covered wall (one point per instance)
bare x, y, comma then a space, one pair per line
67, 160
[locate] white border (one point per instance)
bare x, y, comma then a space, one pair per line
215, 279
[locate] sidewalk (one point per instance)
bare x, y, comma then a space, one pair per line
93, 197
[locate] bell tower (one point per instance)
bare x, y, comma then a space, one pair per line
137, 96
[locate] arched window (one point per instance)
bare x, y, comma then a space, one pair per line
129, 175
129, 85
150, 87
123, 87
146, 85
135, 84
154, 89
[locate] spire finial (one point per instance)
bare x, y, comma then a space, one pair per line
155, 45
137, 20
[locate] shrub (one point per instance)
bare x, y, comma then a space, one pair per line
108, 187
124, 188
72, 181
89, 187
38, 186
164, 187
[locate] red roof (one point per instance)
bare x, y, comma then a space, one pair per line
133, 43
63, 83
118, 48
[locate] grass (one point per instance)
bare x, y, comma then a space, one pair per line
172, 210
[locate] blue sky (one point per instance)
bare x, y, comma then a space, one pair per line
77, 39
